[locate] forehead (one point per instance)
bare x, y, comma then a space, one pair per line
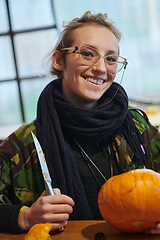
97, 36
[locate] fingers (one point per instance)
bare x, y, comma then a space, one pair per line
59, 225
56, 208
60, 198
53, 209
57, 191
57, 199
43, 193
155, 230
55, 218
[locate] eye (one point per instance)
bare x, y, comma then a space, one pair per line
88, 54
111, 59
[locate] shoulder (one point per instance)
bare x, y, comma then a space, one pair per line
19, 166
150, 133
151, 137
140, 119
18, 140
23, 133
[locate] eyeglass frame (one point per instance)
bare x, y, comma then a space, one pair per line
99, 55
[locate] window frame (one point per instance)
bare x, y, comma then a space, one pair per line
11, 33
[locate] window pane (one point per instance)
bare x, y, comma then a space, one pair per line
142, 49
4, 26
31, 90
9, 103
7, 69
30, 13
31, 48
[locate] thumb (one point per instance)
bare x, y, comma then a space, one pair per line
43, 193
57, 191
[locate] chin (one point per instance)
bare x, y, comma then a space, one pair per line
94, 98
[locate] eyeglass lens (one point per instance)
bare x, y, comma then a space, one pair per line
90, 56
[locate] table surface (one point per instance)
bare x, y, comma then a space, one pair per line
79, 230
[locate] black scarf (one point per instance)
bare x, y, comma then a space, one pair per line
55, 114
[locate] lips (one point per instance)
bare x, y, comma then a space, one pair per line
94, 80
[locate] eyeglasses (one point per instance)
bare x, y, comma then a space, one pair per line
89, 56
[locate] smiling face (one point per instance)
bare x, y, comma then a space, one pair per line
84, 85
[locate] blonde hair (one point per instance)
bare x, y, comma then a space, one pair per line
66, 36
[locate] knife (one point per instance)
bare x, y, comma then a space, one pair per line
45, 171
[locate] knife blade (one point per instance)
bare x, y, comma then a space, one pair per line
44, 168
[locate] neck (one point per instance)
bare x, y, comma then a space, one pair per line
88, 105
82, 102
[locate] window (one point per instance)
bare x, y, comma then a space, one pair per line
27, 31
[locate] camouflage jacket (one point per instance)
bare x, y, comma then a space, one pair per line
21, 180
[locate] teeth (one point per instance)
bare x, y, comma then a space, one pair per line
95, 81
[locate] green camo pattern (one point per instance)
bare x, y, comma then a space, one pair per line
21, 180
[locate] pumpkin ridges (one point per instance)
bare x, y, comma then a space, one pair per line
144, 194
128, 195
151, 200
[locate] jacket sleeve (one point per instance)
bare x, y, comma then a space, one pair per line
21, 180
8, 212
155, 146
151, 138
9, 218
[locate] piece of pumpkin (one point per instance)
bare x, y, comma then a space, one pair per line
39, 231
130, 201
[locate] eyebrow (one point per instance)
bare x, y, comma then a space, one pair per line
108, 53
111, 52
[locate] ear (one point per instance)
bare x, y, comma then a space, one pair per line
57, 60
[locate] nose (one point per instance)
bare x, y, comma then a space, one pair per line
100, 65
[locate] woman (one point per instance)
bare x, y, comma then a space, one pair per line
85, 129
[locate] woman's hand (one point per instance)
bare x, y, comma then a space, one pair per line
155, 230
53, 209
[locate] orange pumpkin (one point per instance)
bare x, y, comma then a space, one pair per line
130, 201
39, 231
